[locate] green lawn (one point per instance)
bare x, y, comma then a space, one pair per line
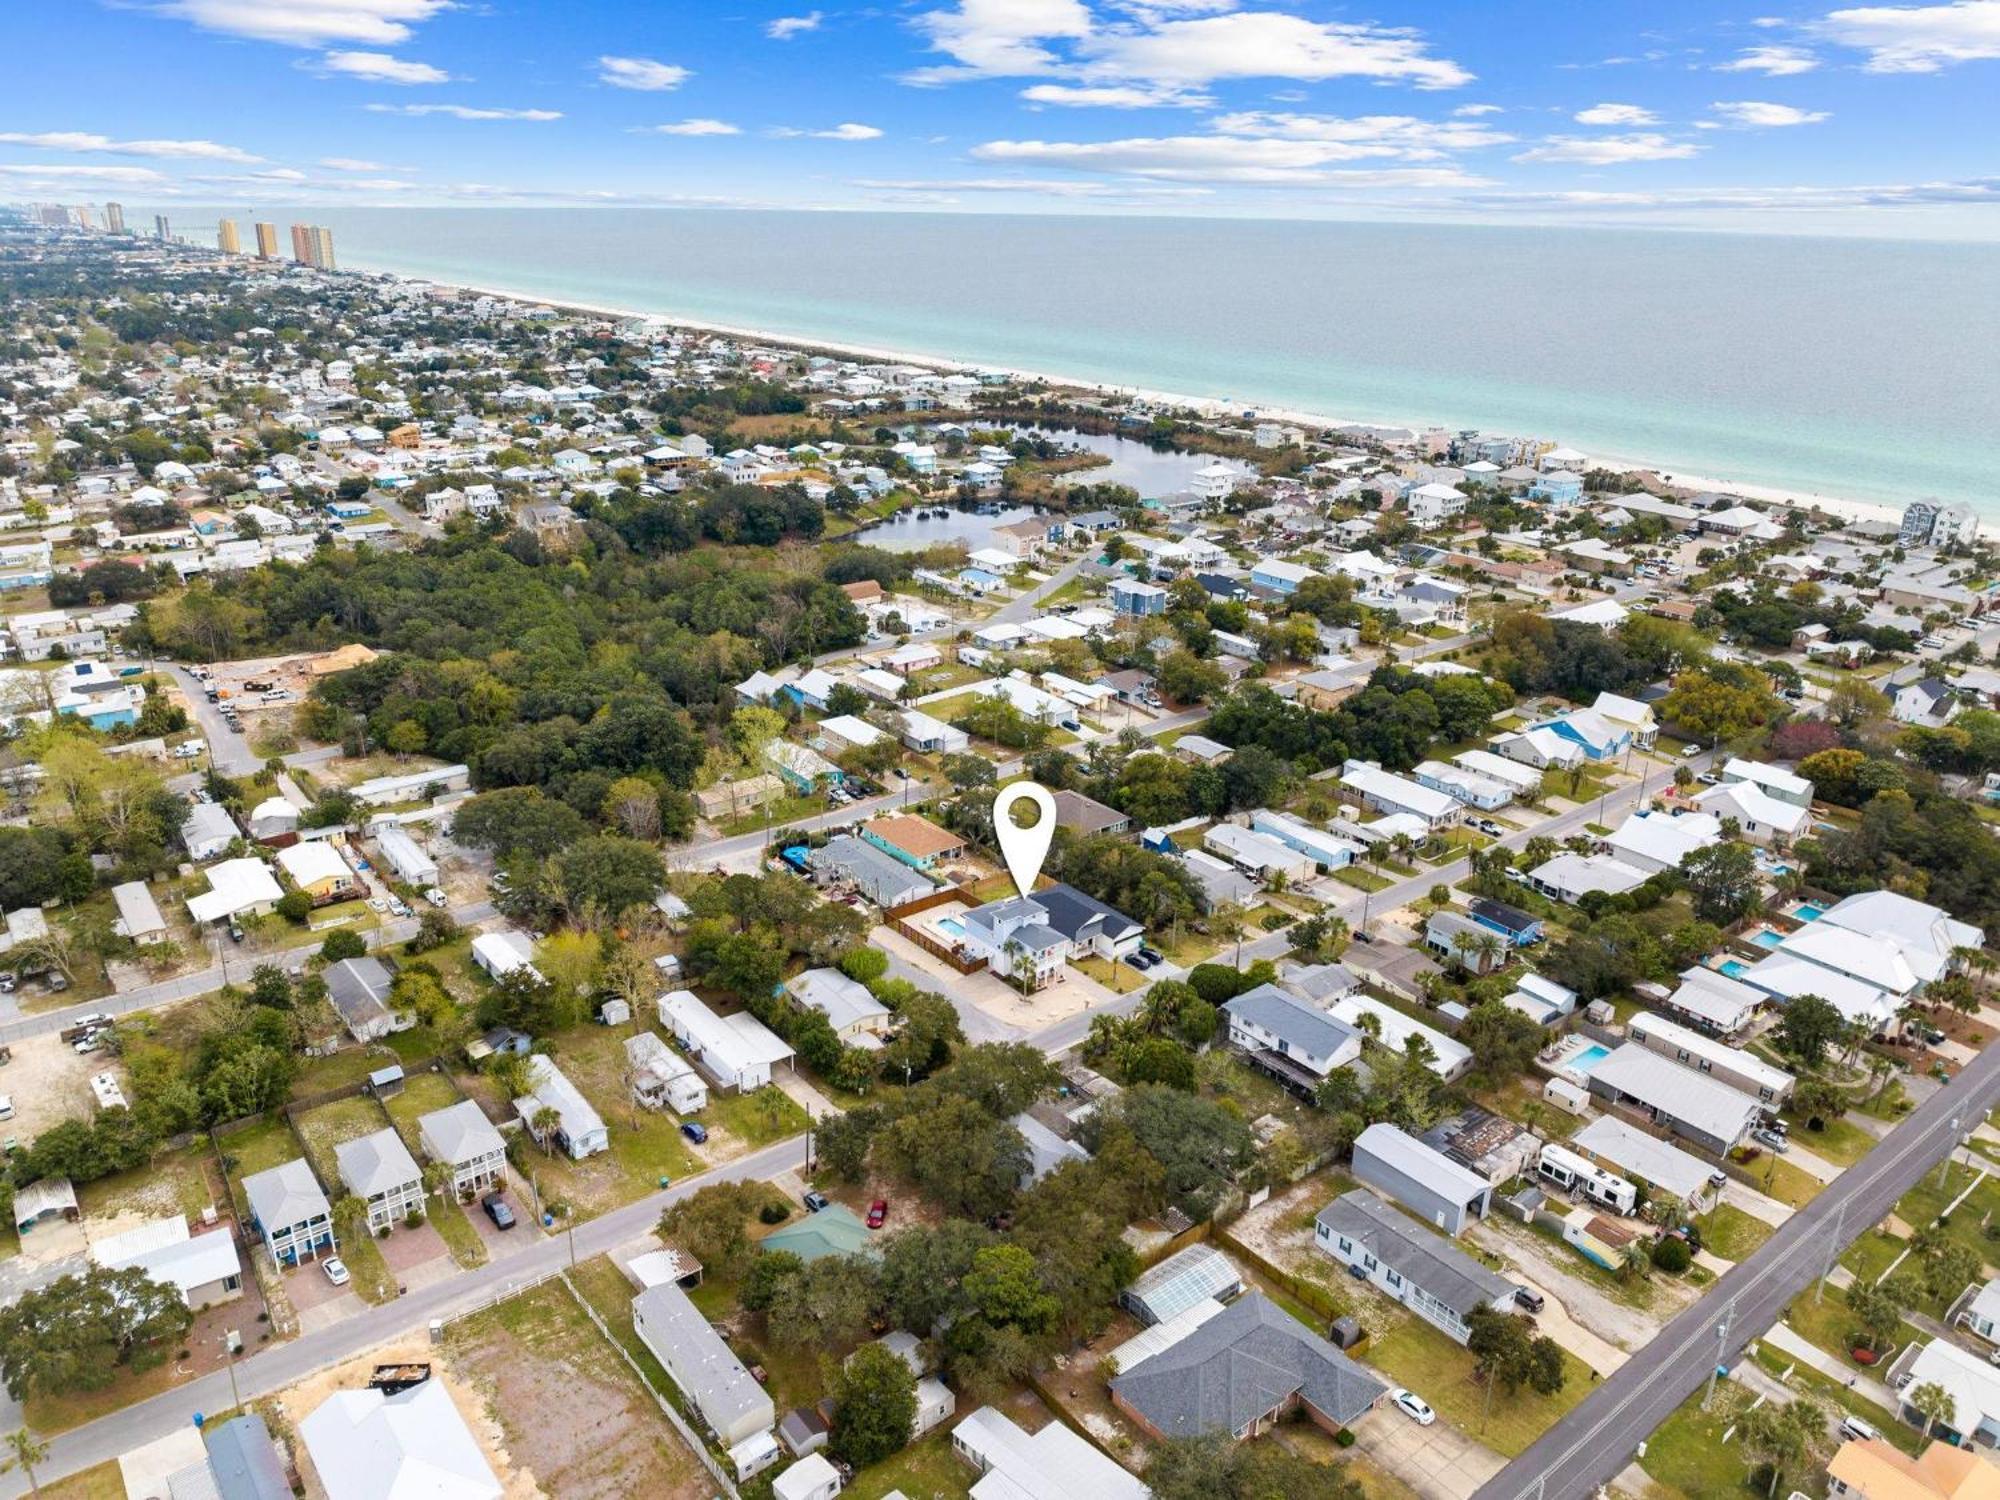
1827, 1324
1360, 879
926, 1470
343, 1069
645, 1146
422, 1093
1778, 1178
333, 1125
260, 1147
1687, 1454
1442, 1372
1842, 1142
1872, 1254
759, 1118
1731, 1233
104, 1482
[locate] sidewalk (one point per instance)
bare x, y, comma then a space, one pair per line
1782, 1337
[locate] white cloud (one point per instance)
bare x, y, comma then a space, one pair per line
1610, 150
133, 176
999, 38
1772, 62
1917, 38
351, 164
691, 127
1196, 158
786, 27
1402, 136
642, 73
1114, 96
464, 112
1616, 114
1981, 190
309, 23
1473, 111
380, 67
1053, 187
82, 141
1757, 115
847, 132
1268, 44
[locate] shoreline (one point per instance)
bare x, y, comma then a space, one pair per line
1209, 406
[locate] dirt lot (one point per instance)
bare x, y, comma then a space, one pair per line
538, 1354
49, 1083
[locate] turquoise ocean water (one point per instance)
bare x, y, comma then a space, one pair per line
1857, 369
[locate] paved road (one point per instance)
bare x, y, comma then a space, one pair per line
284, 1364
228, 751
234, 966
1596, 1440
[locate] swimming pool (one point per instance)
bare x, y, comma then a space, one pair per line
951, 925
1805, 911
1768, 939
1735, 968
1588, 1058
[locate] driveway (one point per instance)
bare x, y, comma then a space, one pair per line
1757, 1205
228, 752
1439, 1462
1527, 1253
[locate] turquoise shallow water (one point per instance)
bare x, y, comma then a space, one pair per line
1859, 369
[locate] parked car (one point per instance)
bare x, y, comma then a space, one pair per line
1489, 827
1528, 1297
815, 1201
878, 1213
1153, 953
1413, 1406
235, 933
1772, 1139
89, 1043
498, 1211
1139, 961
695, 1131
1358, 1271
1860, 1431
336, 1271
436, 897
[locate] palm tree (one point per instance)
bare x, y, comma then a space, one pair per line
544, 1122
1487, 946
25, 1450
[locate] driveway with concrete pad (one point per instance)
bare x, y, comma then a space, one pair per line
145, 1470
1439, 1462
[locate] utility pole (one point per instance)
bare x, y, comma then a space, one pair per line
1833, 1244
1721, 1343
1945, 1165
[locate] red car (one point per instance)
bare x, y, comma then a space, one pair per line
878, 1212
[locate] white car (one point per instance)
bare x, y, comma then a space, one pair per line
336, 1272
1413, 1406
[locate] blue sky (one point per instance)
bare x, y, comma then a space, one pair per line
1867, 118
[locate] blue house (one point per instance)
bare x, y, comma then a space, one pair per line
978, 579
1559, 487
348, 510
1595, 735
1521, 929
1279, 577
1130, 597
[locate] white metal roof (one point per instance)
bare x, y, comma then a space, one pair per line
410, 1446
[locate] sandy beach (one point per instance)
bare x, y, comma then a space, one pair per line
1211, 406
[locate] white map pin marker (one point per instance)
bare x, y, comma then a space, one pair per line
1024, 848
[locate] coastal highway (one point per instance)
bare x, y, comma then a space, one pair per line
280, 1365
1590, 1445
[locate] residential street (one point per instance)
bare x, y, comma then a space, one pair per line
284, 1364
234, 966
1592, 1444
